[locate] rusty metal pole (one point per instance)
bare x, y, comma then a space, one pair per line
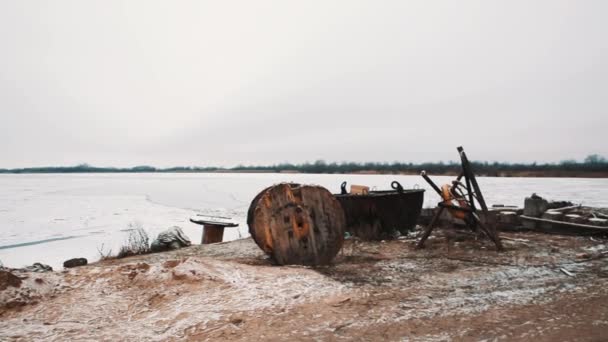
466, 205
429, 228
431, 183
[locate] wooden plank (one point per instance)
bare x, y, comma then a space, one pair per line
213, 220
565, 224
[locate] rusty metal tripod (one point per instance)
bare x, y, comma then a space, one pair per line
459, 199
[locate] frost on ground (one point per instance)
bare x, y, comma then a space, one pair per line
20, 288
374, 290
164, 300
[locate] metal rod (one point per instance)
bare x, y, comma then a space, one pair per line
431, 183
491, 233
429, 228
460, 176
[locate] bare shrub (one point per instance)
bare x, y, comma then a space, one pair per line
137, 243
103, 255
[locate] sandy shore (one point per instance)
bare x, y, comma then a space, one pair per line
458, 288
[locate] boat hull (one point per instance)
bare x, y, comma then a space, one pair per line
380, 214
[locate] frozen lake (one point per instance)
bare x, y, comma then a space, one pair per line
51, 218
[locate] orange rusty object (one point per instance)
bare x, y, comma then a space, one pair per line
449, 199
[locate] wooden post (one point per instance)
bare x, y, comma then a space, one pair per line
212, 234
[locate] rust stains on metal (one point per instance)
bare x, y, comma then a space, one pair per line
379, 214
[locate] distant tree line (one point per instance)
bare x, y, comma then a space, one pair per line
592, 164
86, 168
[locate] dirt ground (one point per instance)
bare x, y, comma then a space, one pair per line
542, 288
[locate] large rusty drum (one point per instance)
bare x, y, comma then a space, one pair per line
297, 224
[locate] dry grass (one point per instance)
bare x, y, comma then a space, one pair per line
103, 255
137, 243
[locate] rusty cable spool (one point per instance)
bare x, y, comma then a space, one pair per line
297, 224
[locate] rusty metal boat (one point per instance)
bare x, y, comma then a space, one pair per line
377, 215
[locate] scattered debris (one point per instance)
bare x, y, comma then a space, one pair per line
38, 267
516, 240
566, 272
75, 262
170, 239
562, 217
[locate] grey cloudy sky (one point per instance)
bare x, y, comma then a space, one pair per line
123, 83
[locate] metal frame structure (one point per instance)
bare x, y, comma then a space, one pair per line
466, 195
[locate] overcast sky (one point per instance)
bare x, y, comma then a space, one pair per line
164, 83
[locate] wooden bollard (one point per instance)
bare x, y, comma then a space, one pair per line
297, 224
213, 227
212, 233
